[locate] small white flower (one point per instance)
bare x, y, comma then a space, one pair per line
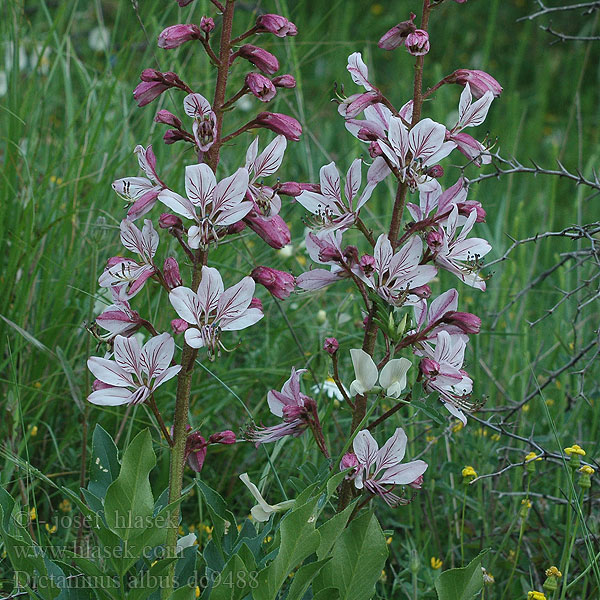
329, 388
263, 510
392, 377
99, 39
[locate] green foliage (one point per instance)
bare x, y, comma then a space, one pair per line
462, 583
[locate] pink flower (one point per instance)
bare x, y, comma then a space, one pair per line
297, 411
273, 230
212, 206
261, 86
395, 37
118, 318
348, 460
328, 206
324, 249
397, 273
417, 42
205, 120
174, 36
355, 104
259, 57
141, 192
480, 81
128, 275
211, 309
171, 273
135, 373
279, 283
179, 325
385, 463
275, 24
223, 437
279, 123
195, 451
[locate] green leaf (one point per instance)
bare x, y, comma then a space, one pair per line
303, 578
129, 503
7, 503
462, 583
327, 594
234, 582
429, 411
222, 518
105, 464
299, 539
332, 529
183, 593
358, 557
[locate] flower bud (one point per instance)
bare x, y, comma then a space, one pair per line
236, 228
331, 346
525, 507
435, 171
260, 58
366, 264
147, 91
195, 451
414, 564
531, 459
574, 452
256, 303
273, 230
551, 583
423, 291
417, 42
417, 484
467, 322
169, 221
321, 317
289, 188
261, 86
429, 367
375, 150
355, 104
468, 474
465, 208
397, 34
279, 123
174, 36
167, 118
585, 474
275, 24
435, 240
207, 24
284, 81
348, 460
179, 325
173, 135
479, 82
171, 273
223, 437
279, 283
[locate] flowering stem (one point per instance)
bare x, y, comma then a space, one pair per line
161, 423
397, 213
243, 36
418, 82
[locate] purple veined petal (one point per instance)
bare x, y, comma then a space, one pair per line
292, 386
131, 237
140, 395
453, 195
196, 106
234, 301
383, 254
407, 258
147, 161
471, 115
425, 139
404, 474
441, 305
251, 154
330, 183
465, 274
182, 206
406, 112
470, 249
236, 213
230, 191
127, 354
166, 375
276, 401
156, 355
194, 337
210, 289
420, 312
270, 158
246, 319
468, 225
392, 452
313, 202
380, 115
366, 448
146, 271
186, 304
200, 185
353, 181
399, 138
358, 70
449, 351
150, 240
429, 194
378, 171
108, 371
144, 204
121, 273
443, 151
113, 396
316, 279
132, 188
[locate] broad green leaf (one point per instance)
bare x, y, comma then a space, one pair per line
303, 578
327, 594
129, 502
299, 539
463, 583
358, 557
222, 518
429, 411
7, 503
183, 593
104, 467
234, 582
332, 529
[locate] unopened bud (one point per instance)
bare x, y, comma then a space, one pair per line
179, 325
260, 86
260, 58
223, 437
279, 123
279, 283
331, 346
417, 42
168, 118
174, 36
284, 81
275, 24
207, 24
393, 38
171, 273
168, 221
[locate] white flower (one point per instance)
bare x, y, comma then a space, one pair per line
263, 510
392, 377
329, 388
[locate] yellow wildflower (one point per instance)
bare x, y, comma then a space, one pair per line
51, 529
531, 456
65, 506
535, 596
457, 426
575, 449
34, 430
553, 571
495, 437
587, 470
33, 514
197, 594
469, 472
436, 563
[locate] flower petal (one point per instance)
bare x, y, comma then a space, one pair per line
366, 448
365, 371
113, 396
156, 355
200, 185
186, 304
108, 371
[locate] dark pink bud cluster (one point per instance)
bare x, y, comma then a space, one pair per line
275, 24
279, 123
196, 446
175, 35
279, 283
396, 36
154, 83
331, 345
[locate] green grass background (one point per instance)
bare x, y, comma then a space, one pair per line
68, 125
